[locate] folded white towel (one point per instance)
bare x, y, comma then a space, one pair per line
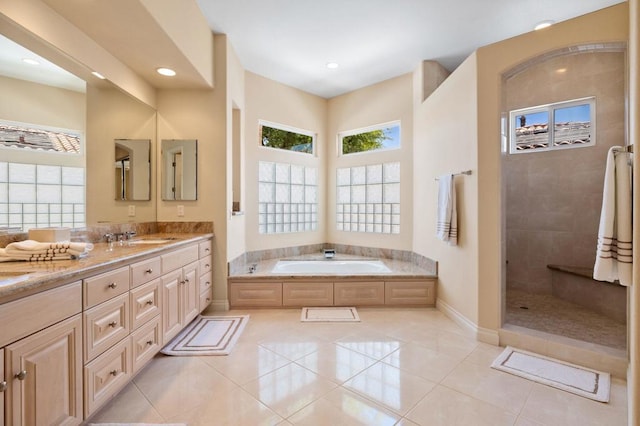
447, 217
614, 251
37, 251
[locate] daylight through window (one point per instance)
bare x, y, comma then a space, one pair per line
384, 136
568, 124
283, 137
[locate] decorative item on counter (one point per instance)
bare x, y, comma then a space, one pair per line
53, 234
35, 251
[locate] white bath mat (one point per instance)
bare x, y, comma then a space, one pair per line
572, 378
208, 336
329, 314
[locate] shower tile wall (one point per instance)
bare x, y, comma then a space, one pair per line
553, 198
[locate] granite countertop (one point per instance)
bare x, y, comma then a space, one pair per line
399, 269
19, 279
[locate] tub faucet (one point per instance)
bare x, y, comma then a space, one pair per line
329, 253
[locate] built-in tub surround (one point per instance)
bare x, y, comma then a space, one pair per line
241, 264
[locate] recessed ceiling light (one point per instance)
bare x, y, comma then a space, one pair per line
166, 72
543, 24
332, 65
97, 74
30, 61
561, 70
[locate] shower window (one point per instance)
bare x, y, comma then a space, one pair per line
278, 136
561, 125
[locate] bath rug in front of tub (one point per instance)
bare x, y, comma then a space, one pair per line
329, 314
207, 336
572, 378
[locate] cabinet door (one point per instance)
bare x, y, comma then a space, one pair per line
191, 292
46, 376
172, 310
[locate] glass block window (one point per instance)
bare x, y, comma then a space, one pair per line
368, 198
287, 198
569, 124
38, 195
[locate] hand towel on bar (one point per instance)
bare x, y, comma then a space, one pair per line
614, 252
447, 220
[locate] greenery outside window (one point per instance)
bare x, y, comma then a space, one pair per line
379, 137
287, 138
561, 125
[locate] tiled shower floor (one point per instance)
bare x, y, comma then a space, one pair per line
552, 315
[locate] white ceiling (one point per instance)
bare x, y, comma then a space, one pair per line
291, 41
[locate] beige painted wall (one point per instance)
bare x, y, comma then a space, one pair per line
445, 135
607, 25
202, 115
390, 100
236, 225
32, 103
113, 114
275, 102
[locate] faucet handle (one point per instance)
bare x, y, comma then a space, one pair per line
130, 234
109, 237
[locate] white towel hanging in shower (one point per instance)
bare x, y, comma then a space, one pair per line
614, 253
447, 220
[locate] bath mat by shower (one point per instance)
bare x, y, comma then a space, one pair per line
572, 378
329, 314
208, 336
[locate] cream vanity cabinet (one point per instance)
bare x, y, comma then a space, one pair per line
180, 289
43, 371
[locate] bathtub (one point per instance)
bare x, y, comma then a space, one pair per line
347, 267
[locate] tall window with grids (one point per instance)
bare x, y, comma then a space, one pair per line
368, 198
287, 198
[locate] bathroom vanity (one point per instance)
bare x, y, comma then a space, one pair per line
75, 332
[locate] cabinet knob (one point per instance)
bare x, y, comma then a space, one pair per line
21, 375
149, 302
206, 265
149, 271
207, 250
208, 300
181, 282
113, 324
186, 280
3, 386
112, 285
113, 372
149, 342
208, 283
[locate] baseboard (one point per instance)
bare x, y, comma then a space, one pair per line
220, 305
481, 334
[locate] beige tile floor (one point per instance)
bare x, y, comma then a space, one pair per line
395, 367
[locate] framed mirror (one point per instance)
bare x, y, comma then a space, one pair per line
179, 169
133, 169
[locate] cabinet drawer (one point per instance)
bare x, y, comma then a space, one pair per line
410, 292
105, 324
359, 293
205, 300
178, 258
106, 375
32, 313
307, 293
255, 294
205, 264
205, 249
145, 343
103, 287
145, 271
206, 282
145, 303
